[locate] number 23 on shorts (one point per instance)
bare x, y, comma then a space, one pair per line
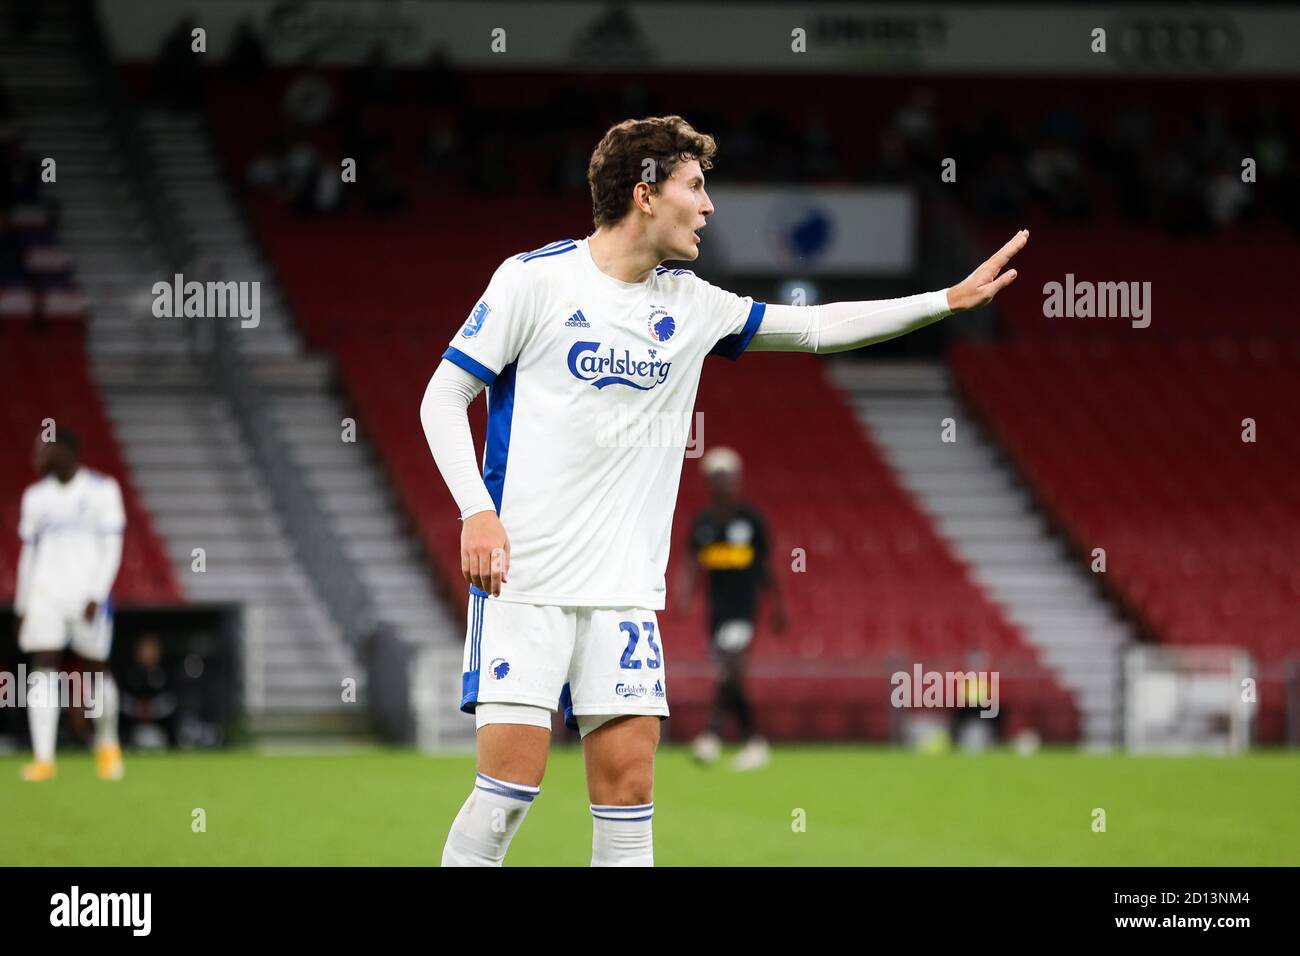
633, 636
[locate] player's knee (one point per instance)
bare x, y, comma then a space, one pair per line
526, 770
625, 776
630, 785
513, 753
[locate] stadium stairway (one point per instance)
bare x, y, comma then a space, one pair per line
198, 480
303, 402
59, 106
189, 175
179, 439
53, 98
978, 504
179, 442
300, 392
362, 508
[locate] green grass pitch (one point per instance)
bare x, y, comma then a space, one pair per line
861, 806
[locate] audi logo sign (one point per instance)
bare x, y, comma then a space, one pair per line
1176, 44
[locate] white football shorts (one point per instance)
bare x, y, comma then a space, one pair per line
587, 661
48, 626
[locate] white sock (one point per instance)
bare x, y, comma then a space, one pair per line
43, 713
106, 722
621, 836
487, 822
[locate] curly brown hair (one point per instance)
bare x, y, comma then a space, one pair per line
619, 160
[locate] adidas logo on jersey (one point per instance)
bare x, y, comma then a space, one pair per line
578, 321
658, 689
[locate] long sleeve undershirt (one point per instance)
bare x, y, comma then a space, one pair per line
841, 326
444, 412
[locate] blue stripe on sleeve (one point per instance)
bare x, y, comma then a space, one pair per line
732, 346
475, 368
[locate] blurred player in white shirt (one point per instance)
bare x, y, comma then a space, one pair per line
584, 345
71, 525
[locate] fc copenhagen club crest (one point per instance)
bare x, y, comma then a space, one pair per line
661, 325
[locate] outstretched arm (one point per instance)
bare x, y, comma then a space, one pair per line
840, 326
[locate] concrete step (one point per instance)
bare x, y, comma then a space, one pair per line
979, 506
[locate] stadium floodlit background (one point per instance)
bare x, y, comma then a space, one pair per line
1102, 509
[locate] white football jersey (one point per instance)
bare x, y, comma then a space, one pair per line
591, 393
66, 526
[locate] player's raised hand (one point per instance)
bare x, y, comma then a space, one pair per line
485, 552
988, 280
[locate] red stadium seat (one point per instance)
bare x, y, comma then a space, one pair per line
46, 376
1138, 449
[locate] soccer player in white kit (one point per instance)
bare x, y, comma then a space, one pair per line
588, 348
71, 524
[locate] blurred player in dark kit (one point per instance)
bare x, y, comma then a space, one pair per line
729, 542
